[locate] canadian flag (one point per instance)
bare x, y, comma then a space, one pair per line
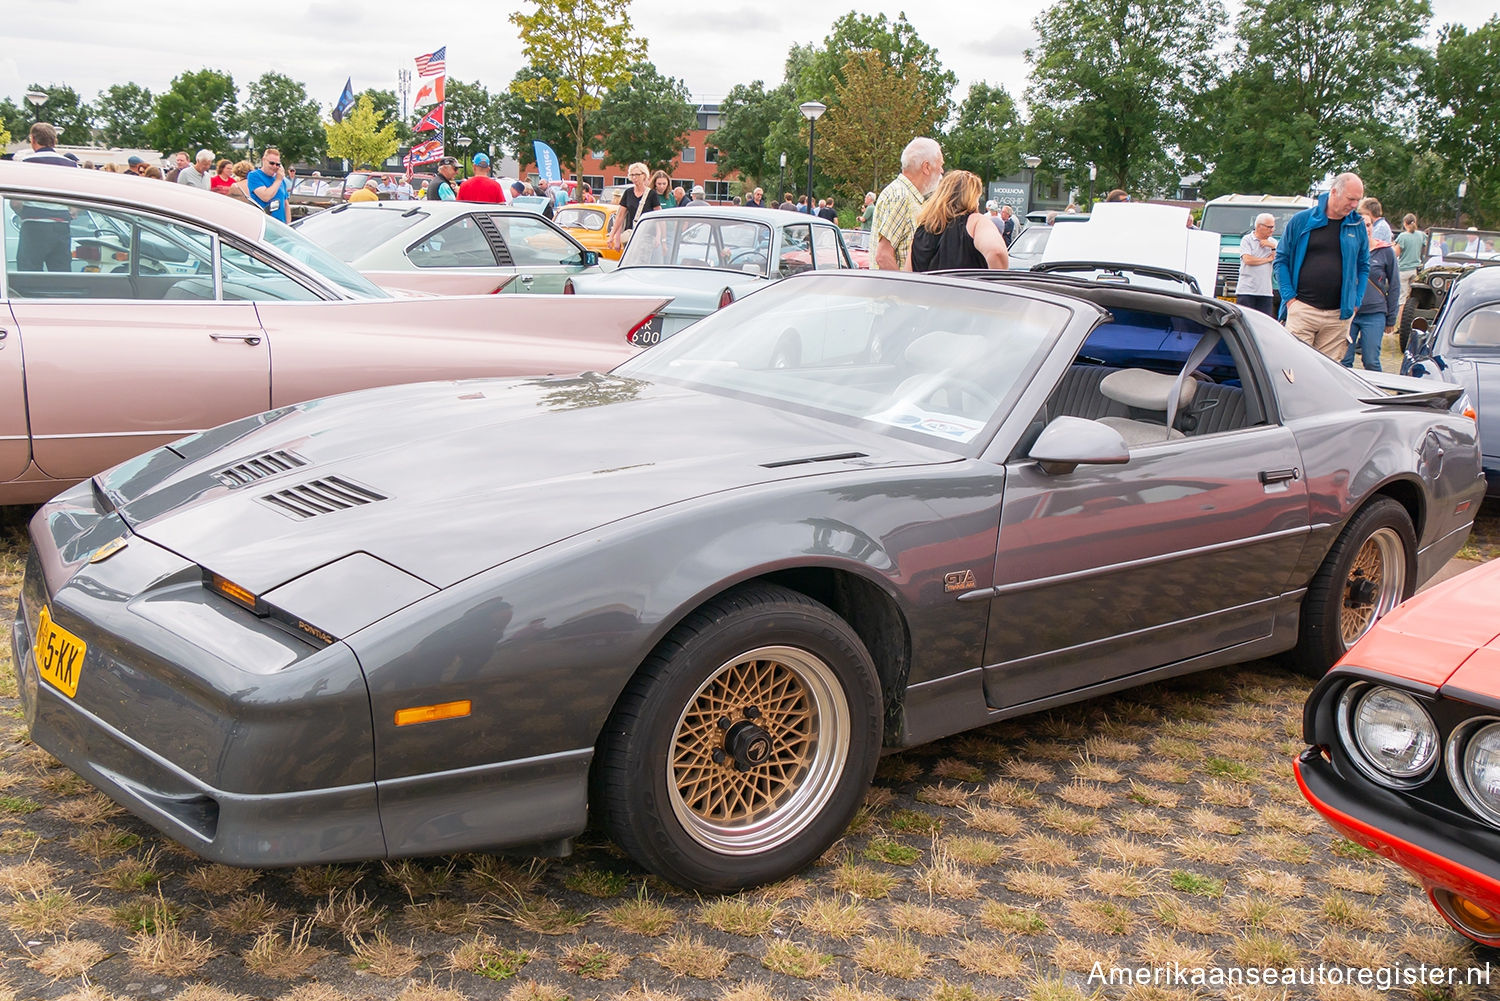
431, 92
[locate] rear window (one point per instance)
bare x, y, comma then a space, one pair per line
349, 234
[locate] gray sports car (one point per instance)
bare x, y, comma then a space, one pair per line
691, 600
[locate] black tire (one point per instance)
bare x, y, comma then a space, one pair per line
1403, 325
1368, 571
742, 748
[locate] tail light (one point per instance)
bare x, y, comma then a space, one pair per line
630, 337
569, 290
726, 297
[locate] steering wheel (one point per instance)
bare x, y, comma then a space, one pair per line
958, 393
740, 258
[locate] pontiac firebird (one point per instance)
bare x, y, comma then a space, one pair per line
691, 600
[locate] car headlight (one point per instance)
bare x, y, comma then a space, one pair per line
1474, 764
1388, 734
1438, 283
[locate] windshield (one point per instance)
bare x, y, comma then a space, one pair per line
927, 361
1481, 244
319, 261
1237, 220
350, 233
1033, 240
727, 244
580, 218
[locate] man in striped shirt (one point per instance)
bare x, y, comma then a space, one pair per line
43, 147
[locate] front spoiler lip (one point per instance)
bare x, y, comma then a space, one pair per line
1434, 859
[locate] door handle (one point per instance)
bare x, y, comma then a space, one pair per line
527, 279
251, 339
1269, 476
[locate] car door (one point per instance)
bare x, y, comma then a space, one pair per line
1110, 570
15, 436
133, 347
543, 256
1472, 353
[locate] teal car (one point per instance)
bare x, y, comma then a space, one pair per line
1232, 216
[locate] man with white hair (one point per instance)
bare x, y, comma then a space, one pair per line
200, 173
1322, 263
867, 213
896, 208
1257, 251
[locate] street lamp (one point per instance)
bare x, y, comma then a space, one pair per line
36, 98
1458, 210
780, 184
1032, 163
812, 111
1093, 173
466, 142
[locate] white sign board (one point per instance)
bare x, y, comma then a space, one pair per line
1135, 233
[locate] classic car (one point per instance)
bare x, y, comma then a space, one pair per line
451, 248
707, 258
356, 179
1403, 752
1451, 254
1463, 347
1028, 246
857, 241
314, 193
180, 309
693, 599
590, 224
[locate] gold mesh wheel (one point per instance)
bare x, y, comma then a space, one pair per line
1375, 584
758, 750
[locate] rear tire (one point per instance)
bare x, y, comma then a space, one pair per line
743, 746
1368, 571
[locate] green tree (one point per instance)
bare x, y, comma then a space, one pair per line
646, 119
1312, 90
13, 118
121, 113
1113, 83
362, 137
589, 46
877, 110
65, 110
4, 135
988, 136
199, 110
525, 120
389, 110
746, 117
469, 112
899, 46
279, 113
1464, 115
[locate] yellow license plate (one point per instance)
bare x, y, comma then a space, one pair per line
59, 655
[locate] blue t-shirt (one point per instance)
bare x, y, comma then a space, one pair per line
276, 206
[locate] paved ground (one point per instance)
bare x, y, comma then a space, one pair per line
1155, 828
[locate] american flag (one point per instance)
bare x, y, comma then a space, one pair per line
433, 63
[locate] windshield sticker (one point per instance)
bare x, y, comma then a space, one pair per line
941, 426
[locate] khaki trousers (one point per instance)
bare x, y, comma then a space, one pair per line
1320, 328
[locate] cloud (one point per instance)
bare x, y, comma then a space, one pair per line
1009, 42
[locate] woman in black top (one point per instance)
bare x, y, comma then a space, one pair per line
951, 231
636, 200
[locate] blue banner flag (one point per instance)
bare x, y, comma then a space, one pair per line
346, 101
546, 161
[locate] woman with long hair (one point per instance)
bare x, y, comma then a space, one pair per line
662, 185
952, 232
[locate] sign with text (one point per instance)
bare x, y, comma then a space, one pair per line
1008, 193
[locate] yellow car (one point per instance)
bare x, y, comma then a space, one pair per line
589, 223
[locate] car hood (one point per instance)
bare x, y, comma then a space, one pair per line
467, 474
1153, 236
695, 290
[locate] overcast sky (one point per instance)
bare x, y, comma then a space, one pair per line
90, 44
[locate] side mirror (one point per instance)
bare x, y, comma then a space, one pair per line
590, 258
1069, 442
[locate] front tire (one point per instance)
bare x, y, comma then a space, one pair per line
745, 743
1369, 571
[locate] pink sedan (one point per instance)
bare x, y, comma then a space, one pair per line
136, 313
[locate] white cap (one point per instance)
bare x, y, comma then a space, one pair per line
991, 205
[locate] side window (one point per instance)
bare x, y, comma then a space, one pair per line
796, 250
460, 244
249, 278
534, 244
1480, 329
65, 250
826, 255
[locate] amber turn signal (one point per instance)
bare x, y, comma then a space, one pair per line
427, 714
232, 591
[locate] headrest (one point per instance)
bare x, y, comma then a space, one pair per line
1136, 387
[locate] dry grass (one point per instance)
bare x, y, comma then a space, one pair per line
690, 956
381, 955
284, 957
739, 915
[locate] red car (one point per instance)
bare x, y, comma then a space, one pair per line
1405, 746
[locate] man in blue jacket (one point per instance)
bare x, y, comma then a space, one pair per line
1321, 266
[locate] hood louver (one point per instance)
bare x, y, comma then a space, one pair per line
258, 468
323, 496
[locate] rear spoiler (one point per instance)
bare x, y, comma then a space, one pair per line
1439, 398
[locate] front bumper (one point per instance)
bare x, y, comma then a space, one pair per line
1438, 854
